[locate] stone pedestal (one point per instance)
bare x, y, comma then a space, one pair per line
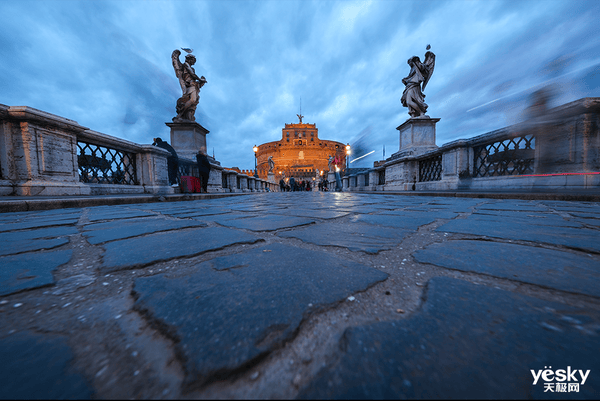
187, 138
417, 136
271, 177
331, 180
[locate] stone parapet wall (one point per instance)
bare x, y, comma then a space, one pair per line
559, 150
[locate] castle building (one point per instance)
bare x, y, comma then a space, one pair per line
299, 153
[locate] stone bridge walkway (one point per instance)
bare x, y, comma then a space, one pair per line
302, 295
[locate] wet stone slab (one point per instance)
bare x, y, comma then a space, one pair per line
545, 267
407, 220
435, 213
526, 230
467, 341
35, 222
38, 366
121, 229
267, 223
115, 212
312, 213
27, 271
141, 251
355, 237
236, 308
521, 218
34, 240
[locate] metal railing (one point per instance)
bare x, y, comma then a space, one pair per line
381, 177
512, 156
105, 165
430, 169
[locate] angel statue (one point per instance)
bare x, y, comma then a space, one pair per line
413, 96
190, 85
271, 164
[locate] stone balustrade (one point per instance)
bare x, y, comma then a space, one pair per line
44, 154
557, 150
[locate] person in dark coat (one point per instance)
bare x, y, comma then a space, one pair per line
281, 185
172, 161
203, 169
292, 184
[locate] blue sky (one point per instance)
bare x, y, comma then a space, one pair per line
107, 64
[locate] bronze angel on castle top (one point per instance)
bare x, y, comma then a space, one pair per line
190, 86
413, 96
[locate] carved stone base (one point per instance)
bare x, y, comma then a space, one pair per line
187, 138
417, 136
271, 177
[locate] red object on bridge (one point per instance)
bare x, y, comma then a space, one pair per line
190, 184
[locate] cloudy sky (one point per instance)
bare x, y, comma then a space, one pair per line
107, 64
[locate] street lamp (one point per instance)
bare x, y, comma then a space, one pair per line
255, 149
347, 157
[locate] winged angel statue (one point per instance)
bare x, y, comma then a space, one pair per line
190, 85
413, 96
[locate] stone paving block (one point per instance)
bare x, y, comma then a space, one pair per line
234, 309
546, 267
579, 238
519, 218
198, 212
120, 229
312, 213
34, 222
34, 240
511, 205
414, 212
27, 271
112, 212
467, 341
36, 366
152, 248
407, 221
269, 222
355, 237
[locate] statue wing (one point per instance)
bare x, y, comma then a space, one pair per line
178, 67
429, 65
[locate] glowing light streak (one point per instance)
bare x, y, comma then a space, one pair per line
358, 158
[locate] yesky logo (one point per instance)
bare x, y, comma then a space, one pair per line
566, 380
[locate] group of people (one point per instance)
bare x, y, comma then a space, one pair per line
173, 164
301, 185
293, 185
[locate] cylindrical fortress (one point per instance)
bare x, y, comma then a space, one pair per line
299, 153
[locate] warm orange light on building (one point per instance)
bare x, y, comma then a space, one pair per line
299, 153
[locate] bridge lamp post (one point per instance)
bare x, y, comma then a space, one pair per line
347, 157
255, 149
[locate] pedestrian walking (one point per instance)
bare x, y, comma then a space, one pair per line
203, 169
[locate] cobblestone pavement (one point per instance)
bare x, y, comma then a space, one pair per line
302, 295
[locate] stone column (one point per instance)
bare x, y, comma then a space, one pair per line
331, 181
360, 182
153, 173
232, 181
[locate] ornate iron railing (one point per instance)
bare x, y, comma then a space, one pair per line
513, 156
430, 169
104, 165
381, 180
